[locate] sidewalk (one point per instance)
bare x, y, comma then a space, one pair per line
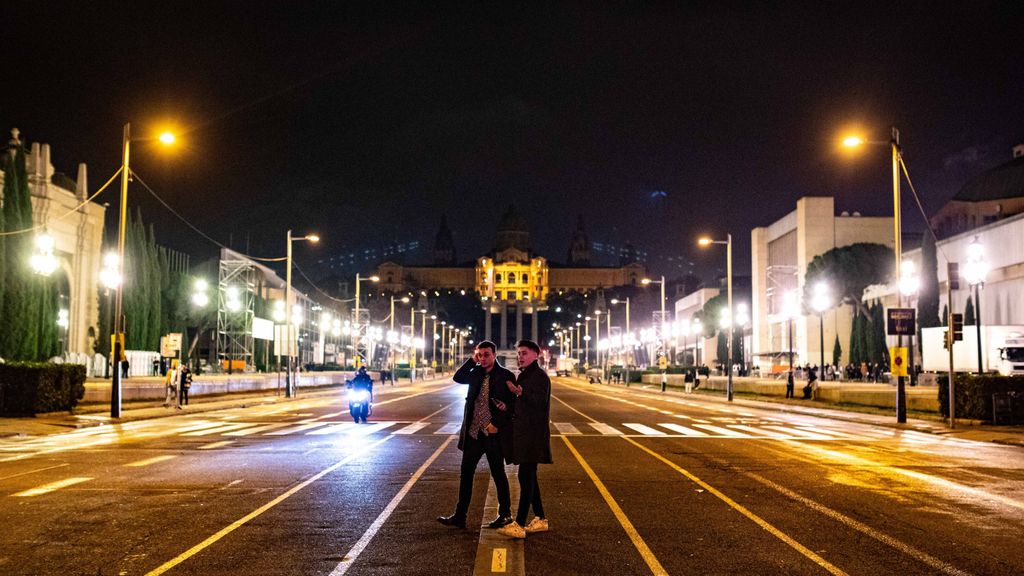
95, 414
930, 423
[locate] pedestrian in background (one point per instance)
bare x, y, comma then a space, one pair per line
171, 384
184, 384
531, 438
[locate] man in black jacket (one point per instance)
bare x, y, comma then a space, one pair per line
531, 438
486, 430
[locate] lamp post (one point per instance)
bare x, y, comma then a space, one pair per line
117, 346
821, 301
910, 284
728, 274
289, 386
894, 145
391, 337
357, 325
433, 341
199, 299
789, 310
975, 271
661, 329
110, 277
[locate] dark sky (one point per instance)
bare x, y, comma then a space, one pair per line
366, 124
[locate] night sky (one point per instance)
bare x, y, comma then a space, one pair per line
654, 121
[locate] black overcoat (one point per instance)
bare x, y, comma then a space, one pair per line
473, 374
531, 434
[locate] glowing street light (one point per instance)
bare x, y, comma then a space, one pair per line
975, 271
705, 242
289, 386
42, 260
821, 302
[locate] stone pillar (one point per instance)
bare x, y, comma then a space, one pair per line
534, 334
519, 321
487, 323
502, 337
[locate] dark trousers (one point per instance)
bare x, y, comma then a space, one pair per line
471, 453
184, 396
789, 386
529, 493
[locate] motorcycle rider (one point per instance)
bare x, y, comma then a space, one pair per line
362, 381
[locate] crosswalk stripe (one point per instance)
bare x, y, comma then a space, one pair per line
148, 461
258, 429
645, 430
826, 431
218, 444
566, 428
413, 428
450, 428
682, 429
721, 431
605, 429
332, 429
371, 428
196, 426
50, 487
301, 428
800, 433
759, 432
218, 430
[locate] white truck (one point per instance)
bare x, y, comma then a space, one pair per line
1002, 350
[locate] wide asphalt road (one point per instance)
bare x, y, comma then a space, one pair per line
642, 484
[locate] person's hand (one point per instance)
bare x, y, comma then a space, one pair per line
491, 429
500, 405
517, 390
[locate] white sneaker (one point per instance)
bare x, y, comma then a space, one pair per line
537, 525
513, 530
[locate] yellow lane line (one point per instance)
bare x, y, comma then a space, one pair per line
742, 510
51, 487
148, 461
243, 520
634, 536
34, 471
218, 444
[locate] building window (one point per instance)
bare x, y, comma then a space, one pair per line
497, 278
499, 295
526, 278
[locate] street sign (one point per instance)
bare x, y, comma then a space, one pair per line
901, 321
662, 362
899, 361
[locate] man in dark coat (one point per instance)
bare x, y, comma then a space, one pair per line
486, 430
531, 438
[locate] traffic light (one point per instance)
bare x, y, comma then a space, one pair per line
958, 327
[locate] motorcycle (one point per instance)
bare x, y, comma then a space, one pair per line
359, 403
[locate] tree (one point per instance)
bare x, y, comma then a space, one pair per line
856, 355
928, 300
849, 270
969, 319
945, 314
881, 351
837, 351
20, 313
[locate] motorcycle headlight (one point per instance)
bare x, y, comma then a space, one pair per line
357, 395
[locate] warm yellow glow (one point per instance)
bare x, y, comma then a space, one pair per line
704, 242
374, 278
645, 281
167, 138
852, 141
313, 238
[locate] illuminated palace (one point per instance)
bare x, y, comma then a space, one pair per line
511, 279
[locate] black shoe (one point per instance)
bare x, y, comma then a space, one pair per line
453, 520
500, 521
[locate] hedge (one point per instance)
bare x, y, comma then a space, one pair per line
974, 395
37, 387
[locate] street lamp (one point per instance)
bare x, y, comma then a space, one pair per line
289, 386
821, 301
910, 284
704, 242
661, 328
117, 349
110, 278
789, 311
358, 324
897, 160
975, 271
42, 260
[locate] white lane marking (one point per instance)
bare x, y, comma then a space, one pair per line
301, 428
243, 520
566, 428
218, 430
722, 431
34, 471
682, 429
371, 428
863, 528
761, 432
213, 445
412, 428
258, 429
353, 554
333, 429
605, 429
645, 430
450, 428
148, 461
45, 488
489, 541
804, 434
826, 431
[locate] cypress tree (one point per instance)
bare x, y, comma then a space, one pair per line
156, 288
945, 315
855, 350
928, 302
837, 351
878, 333
969, 319
20, 337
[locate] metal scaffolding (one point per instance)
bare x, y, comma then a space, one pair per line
236, 298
